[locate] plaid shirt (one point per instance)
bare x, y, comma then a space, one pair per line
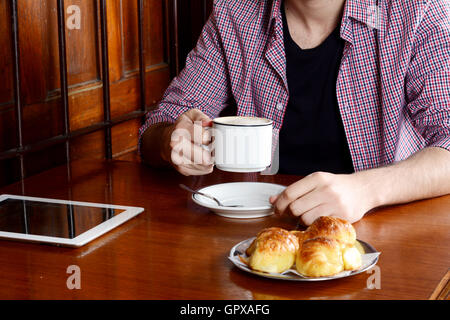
393, 93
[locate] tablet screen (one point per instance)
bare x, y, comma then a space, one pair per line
51, 219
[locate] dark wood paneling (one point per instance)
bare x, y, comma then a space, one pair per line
44, 159
42, 121
37, 73
91, 146
154, 34
166, 49
8, 138
6, 68
9, 171
125, 137
115, 40
82, 49
40, 78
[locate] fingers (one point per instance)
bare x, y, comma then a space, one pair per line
300, 189
197, 155
292, 193
185, 153
309, 217
322, 194
194, 170
273, 199
305, 203
188, 139
308, 207
197, 115
195, 131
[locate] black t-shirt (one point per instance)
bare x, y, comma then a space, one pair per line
312, 137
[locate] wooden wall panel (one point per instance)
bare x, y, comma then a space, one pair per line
38, 36
9, 171
155, 45
44, 159
8, 137
86, 106
154, 31
43, 117
42, 121
6, 67
82, 45
126, 94
125, 137
115, 39
37, 68
90, 146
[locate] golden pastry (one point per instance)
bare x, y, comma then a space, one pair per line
329, 247
351, 257
320, 257
273, 250
301, 236
333, 228
326, 248
251, 248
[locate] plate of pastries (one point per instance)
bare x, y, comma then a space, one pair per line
327, 249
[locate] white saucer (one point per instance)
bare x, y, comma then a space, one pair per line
253, 196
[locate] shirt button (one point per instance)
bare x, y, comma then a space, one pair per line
279, 106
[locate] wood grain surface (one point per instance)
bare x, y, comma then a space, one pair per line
442, 291
178, 250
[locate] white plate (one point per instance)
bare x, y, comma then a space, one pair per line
369, 259
253, 196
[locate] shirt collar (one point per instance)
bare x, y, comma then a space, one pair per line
275, 11
362, 10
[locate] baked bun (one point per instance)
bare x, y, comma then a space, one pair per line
301, 236
329, 247
326, 248
273, 250
351, 257
331, 227
320, 257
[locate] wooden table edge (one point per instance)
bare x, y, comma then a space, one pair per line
442, 290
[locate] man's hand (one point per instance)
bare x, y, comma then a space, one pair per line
424, 175
325, 194
183, 144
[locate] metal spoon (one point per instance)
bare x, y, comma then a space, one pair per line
182, 186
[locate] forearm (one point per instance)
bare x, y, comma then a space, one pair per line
424, 175
155, 146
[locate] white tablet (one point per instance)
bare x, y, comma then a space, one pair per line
59, 222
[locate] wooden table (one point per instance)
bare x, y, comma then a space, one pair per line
178, 250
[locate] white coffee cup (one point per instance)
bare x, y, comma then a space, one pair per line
242, 144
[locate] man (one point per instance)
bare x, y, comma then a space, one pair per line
358, 91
